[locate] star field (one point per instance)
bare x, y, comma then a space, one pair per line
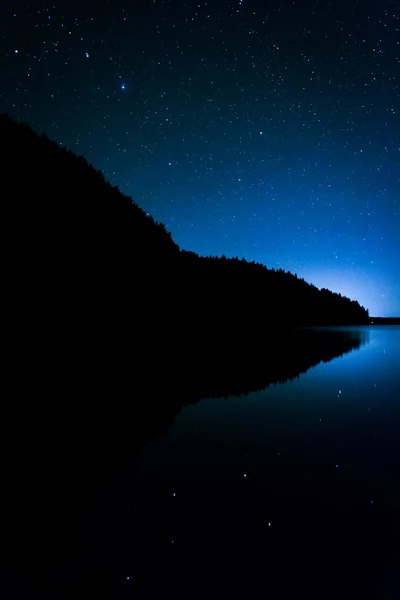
268, 130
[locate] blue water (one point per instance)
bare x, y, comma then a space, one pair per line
291, 489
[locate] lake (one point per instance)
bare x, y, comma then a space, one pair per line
295, 487
289, 490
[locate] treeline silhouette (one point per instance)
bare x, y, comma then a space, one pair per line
97, 292
97, 258
109, 329
98, 298
100, 303
97, 289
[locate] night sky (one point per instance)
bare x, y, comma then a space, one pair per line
267, 129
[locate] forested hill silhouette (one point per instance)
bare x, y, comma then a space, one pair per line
109, 328
97, 291
100, 257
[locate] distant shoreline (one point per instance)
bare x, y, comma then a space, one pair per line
385, 320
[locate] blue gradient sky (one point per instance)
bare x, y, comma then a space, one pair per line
268, 130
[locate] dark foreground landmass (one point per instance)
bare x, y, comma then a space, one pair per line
108, 330
82, 254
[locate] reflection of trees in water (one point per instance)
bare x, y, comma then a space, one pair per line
69, 461
191, 377
137, 404
114, 329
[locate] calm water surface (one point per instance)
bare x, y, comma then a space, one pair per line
293, 488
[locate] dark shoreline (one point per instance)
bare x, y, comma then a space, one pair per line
384, 320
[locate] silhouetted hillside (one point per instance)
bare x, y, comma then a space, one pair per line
109, 328
102, 309
97, 289
83, 255
97, 293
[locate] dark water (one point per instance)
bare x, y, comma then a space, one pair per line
293, 489
289, 491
